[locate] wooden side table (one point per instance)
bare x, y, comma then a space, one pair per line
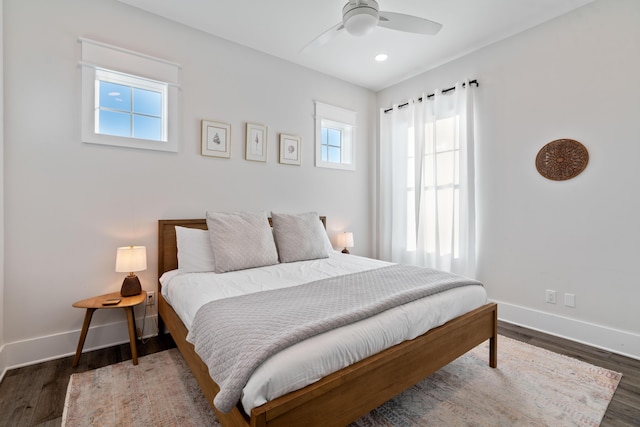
95, 303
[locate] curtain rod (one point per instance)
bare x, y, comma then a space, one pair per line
472, 82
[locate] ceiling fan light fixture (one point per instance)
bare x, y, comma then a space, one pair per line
360, 18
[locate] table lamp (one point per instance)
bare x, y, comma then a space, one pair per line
346, 241
128, 260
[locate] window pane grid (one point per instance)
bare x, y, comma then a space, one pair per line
121, 110
126, 110
331, 146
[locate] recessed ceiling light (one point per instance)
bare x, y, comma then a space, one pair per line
381, 57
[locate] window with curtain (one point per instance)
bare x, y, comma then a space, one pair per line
427, 206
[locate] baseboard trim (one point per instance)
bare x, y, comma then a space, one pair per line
3, 362
602, 337
50, 347
28, 352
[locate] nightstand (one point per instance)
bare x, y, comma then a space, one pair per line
95, 303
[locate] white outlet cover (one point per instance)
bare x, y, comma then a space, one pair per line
550, 296
570, 300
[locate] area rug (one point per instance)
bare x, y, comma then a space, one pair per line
530, 387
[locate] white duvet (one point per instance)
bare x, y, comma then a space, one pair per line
314, 358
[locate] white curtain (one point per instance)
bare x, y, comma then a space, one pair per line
427, 197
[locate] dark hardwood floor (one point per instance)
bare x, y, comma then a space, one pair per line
34, 395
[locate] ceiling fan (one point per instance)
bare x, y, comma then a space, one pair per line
360, 17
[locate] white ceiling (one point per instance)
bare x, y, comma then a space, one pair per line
283, 27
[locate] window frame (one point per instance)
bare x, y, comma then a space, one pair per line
103, 59
332, 117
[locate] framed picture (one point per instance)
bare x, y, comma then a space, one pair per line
256, 146
290, 149
216, 139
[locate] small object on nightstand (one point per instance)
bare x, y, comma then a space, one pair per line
346, 241
128, 260
111, 301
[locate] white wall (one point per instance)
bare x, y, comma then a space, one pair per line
574, 77
68, 205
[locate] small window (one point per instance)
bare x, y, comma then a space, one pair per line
129, 99
335, 137
130, 107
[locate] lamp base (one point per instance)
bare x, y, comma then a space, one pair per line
130, 286
345, 251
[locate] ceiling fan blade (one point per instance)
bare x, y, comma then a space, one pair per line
408, 23
323, 38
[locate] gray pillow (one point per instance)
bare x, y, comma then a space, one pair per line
241, 240
299, 237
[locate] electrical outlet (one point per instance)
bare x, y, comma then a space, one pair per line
151, 298
570, 300
550, 296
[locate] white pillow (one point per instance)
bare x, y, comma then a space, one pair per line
241, 240
325, 237
299, 237
194, 250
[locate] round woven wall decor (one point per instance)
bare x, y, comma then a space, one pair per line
562, 159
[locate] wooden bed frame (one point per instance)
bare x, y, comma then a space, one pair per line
345, 395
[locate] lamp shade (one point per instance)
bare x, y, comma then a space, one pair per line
346, 239
131, 258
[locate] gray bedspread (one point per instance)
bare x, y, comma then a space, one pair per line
233, 336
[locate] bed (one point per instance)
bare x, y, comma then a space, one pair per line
343, 396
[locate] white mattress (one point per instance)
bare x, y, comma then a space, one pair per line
314, 358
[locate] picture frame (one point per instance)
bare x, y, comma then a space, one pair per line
256, 143
216, 139
290, 146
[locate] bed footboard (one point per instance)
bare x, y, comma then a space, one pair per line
346, 395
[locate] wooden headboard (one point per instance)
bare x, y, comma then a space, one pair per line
167, 247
